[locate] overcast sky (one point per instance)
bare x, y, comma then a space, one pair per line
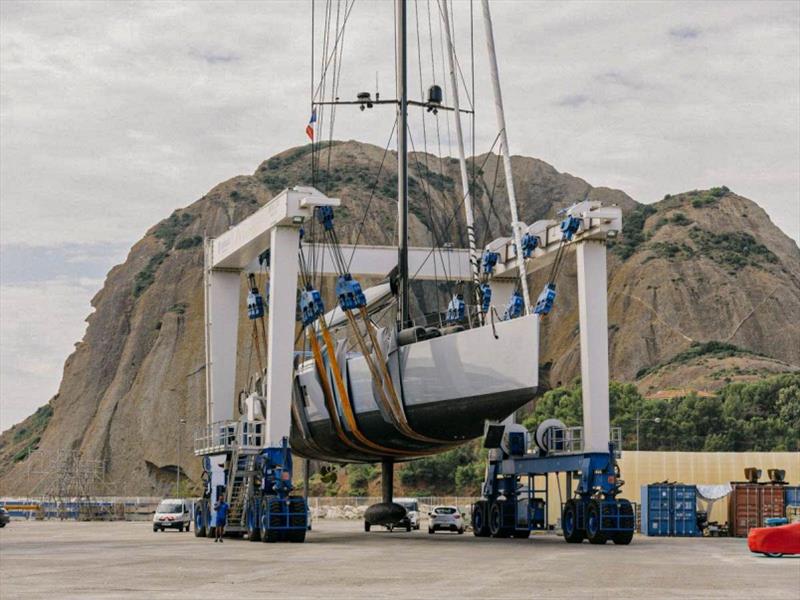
114, 114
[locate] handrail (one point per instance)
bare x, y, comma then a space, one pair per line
570, 440
226, 436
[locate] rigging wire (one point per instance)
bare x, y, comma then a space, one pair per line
372, 194
457, 208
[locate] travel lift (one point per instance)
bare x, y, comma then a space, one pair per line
248, 461
509, 507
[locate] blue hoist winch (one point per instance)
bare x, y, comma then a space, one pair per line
529, 243
255, 301
515, 307
456, 309
486, 297
544, 303
325, 216
488, 262
311, 306
348, 292
569, 227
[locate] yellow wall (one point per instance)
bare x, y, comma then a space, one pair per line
641, 468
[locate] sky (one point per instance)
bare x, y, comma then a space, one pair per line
113, 114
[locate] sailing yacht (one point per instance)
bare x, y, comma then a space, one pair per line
368, 393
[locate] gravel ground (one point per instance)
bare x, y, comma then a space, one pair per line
339, 560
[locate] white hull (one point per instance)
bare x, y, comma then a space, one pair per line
449, 386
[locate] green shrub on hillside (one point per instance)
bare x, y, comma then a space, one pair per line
680, 219
189, 242
703, 198
712, 349
633, 231
735, 249
670, 250
169, 229
146, 276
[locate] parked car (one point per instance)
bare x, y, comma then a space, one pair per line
4, 517
775, 541
445, 518
173, 513
411, 520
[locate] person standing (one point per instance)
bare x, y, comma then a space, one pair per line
221, 508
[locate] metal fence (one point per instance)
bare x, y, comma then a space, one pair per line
353, 507
142, 508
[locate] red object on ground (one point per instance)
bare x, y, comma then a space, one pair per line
775, 541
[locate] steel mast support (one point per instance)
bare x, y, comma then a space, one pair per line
501, 125
402, 162
462, 160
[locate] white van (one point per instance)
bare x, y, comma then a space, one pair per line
173, 513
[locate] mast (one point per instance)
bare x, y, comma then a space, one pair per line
501, 125
462, 160
402, 163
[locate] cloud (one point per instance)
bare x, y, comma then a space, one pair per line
213, 57
574, 100
39, 327
113, 114
685, 33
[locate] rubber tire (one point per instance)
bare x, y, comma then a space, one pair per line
496, 521
296, 536
623, 538
188, 527
270, 536
267, 535
253, 531
200, 516
480, 519
773, 554
430, 531
593, 516
155, 528
366, 526
521, 534
408, 527
461, 531
572, 535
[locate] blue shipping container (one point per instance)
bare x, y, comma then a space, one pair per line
792, 495
669, 510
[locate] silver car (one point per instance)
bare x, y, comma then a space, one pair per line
445, 518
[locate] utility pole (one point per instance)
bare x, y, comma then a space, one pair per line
639, 420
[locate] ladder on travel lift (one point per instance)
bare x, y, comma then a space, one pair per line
240, 487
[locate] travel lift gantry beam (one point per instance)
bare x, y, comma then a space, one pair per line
587, 454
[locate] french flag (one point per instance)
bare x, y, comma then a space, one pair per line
310, 126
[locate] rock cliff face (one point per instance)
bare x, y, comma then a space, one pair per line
695, 267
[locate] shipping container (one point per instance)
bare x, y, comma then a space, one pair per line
791, 495
772, 501
669, 510
751, 503
684, 518
744, 508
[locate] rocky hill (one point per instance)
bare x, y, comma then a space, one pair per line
694, 267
